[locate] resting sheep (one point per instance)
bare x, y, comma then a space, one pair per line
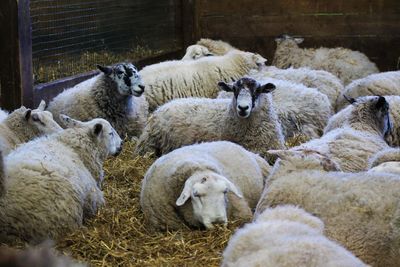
387, 160
194, 52
114, 95
384, 83
198, 78
301, 110
248, 119
346, 64
53, 182
216, 47
285, 236
22, 125
363, 136
361, 210
323, 81
203, 173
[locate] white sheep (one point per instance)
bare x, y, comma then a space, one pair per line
197, 78
360, 210
323, 81
3, 115
248, 119
387, 160
301, 110
364, 135
53, 182
114, 95
342, 118
384, 83
285, 236
346, 64
194, 52
23, 125
203, 173
216, 47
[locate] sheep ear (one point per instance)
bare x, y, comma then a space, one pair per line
185, 195
226, 87
98, 127
381, 104
105, 70
42, 105
28, 114
68, 121
350, 100
267, 88
233, 188
298, 40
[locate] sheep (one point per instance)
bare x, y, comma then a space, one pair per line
53, 182
285, 236
342, 117
384, 83
116, 95
203, 173
3, 115
387, 160
25, 124
301, 110
360, 210
321, 80
364, 135
216, 47
346, 64
178, 79
248, 119
194, 52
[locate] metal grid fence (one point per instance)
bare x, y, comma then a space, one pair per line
72, 36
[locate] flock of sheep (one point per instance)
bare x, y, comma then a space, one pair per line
219, 120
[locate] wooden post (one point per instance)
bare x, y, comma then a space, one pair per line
189, 22
16, 81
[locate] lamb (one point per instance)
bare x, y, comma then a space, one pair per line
25, 124
249, 119
216, 47
363, 136
285, 236
360, 210
116, 95
301, 110
346, 64
342, 117
387, 160
198, 78
51, 184
203, 173
321, 80
194, 52
384, 83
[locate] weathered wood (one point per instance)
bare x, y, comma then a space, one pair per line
189, 22
48, 91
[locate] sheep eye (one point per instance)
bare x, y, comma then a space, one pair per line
196, 194
35, 118
111, 134
119, 72
226, 191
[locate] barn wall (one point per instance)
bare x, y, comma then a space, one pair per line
370, 26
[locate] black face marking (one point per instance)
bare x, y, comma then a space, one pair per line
128, 71
127, 81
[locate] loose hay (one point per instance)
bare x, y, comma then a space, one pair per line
117, 236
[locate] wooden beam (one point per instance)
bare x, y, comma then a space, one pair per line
189, 22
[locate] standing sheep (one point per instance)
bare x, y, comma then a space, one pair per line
248, 119
353, 144
53, 182
286, 236
25, 124
361, 210
384, 83
346, 64
198, 78
203, 173
301, 110
114, 95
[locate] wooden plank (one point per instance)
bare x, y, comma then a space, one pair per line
189, 22
48, 91
25, 52
10, 82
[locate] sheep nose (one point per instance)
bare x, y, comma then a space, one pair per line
141, 87
243, 108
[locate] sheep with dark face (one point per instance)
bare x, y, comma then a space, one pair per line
116, 94
346, 64
248, 119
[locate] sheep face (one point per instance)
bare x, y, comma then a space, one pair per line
207, 191
104, 134
194, 52
42, 120
246, 93
126, 78
288, 40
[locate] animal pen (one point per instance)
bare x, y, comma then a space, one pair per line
47, 46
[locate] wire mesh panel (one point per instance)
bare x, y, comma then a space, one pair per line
72, 36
